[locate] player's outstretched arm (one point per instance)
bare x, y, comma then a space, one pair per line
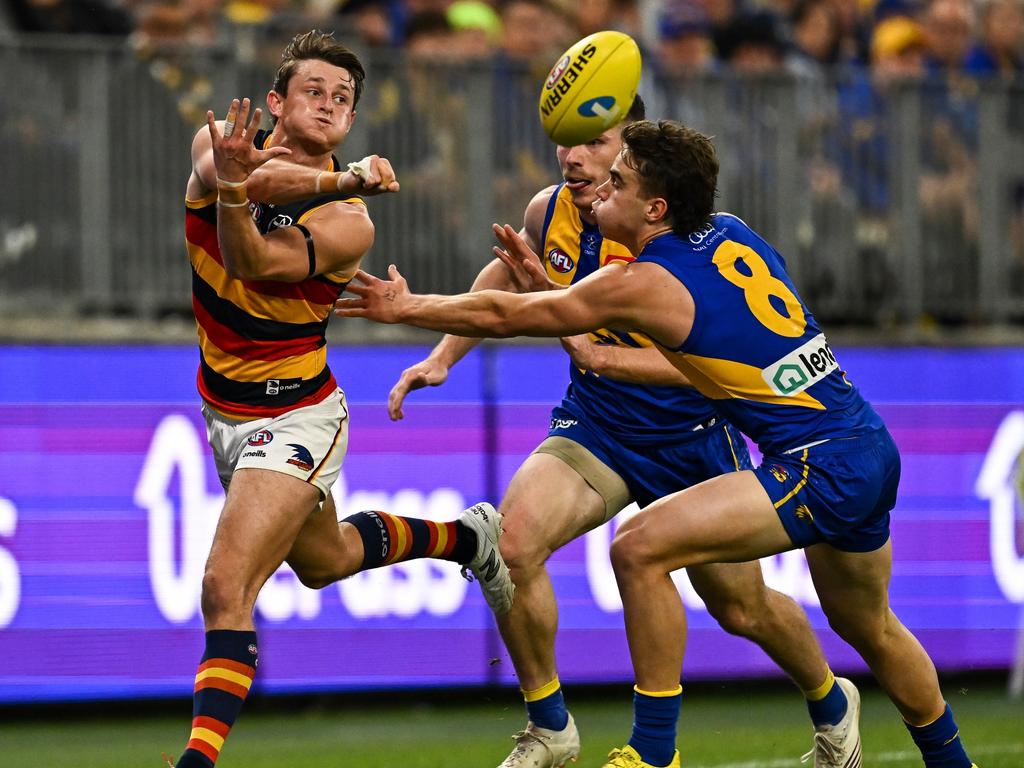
590, 304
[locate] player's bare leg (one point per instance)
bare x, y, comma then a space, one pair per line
262, 515
546, 505
727, 518
738, 599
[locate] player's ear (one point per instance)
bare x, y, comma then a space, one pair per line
274, 100
657, 210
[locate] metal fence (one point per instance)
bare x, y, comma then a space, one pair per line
892, 202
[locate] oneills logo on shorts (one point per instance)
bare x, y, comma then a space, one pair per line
804, 366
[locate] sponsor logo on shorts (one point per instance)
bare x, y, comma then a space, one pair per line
254, 455
801, 368
277, 386
262, 437
560, 261
803, 513
281, 220
563, 423
302, 458
779, 473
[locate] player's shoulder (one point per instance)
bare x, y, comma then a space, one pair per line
536, 211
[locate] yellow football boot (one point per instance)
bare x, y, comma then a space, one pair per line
627, 757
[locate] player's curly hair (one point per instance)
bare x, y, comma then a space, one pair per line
677, 163
319, 46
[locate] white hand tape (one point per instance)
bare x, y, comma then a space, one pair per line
361, 169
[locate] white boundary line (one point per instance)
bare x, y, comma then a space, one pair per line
870, 758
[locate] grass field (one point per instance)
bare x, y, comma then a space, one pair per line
721, 727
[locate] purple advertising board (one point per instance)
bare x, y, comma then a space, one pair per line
108, 500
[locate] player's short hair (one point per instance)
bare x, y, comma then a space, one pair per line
637, 111
677, 163
316, 45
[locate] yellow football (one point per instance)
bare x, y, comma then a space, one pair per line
590, 88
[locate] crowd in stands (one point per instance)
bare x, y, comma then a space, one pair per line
851, 59
955, 37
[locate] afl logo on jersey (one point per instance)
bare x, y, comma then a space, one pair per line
561, 261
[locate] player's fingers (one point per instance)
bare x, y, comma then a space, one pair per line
388, 179
254, 122
229, 121
211, 123
395, 275
350, 307
243, 115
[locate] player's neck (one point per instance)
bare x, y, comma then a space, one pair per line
301, 154
650, 234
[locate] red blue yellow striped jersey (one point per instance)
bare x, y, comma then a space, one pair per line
573, 249
262, 345
755, 348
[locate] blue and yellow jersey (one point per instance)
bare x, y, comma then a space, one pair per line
573, 249
262, 345
755, 348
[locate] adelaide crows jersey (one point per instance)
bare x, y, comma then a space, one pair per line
262, 345
573, 249
755, 348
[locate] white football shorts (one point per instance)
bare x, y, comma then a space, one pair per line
308, 443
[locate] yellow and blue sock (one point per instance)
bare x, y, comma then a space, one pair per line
391, 539
545, 706
222, 682
826, 703
939, 742
655, 715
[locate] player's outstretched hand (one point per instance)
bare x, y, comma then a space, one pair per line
234, 154
523, 264
373, 175
379, 300
426, 373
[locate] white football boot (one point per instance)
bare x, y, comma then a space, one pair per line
838, 746
542, 748
488, 566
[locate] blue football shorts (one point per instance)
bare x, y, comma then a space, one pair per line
839, 492
651, 471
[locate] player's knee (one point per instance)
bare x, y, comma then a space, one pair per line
736, 617
314, 578
631, 550
522, 550
223, 594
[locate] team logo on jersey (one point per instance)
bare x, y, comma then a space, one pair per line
779, 473
262, 437
302, 458
801, 368
560, 261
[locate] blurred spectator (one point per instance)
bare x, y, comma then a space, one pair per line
91, 17
816, 34
476, 26
949, 28
1000, 49
535, 32
684, 38
594, 15
752, 44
